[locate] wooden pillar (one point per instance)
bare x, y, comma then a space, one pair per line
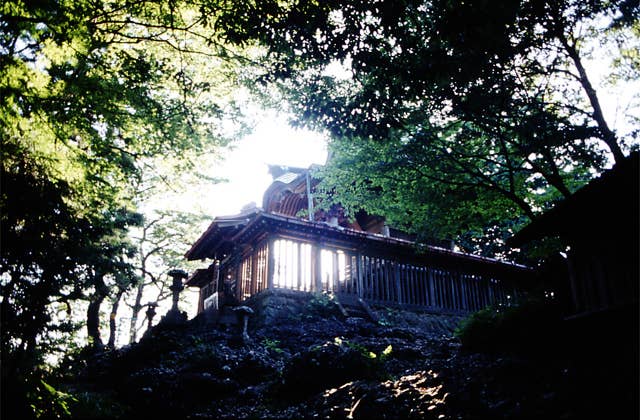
461, 296
316, 267
452, 288
497, 292
384, 279
432, 291
366, 278
299, 265
201, 300
464, 294
336, 272
473, 297
483, 291
388, 280
254, 271
480, 295
238, 274
427, 286
419, 286
359, 269
488, 294
289, 261
415, 275
424, 294
396, 278
271, 263
440, 284
437, 289
380, 279
348, 273
491, 286
264, 272
408, 285
466, 284
375, 278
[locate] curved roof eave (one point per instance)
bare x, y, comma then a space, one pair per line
220, 229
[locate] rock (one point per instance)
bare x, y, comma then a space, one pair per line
323, 368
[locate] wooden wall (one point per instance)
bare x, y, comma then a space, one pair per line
381, 280
288, 264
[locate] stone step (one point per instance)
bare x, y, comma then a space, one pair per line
353, 306
355, 312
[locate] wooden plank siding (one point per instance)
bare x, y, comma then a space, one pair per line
388, 281
312, 267
253, 272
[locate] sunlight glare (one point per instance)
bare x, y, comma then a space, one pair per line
246, 165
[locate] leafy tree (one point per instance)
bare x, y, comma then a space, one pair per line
486, 108
162, 242
111, 272
91, 93
47, 250
392, 179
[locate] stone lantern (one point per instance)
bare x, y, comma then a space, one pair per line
176, 286
151, 312
243, 313
174, 316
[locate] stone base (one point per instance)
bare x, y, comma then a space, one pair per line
273, 306
277, 305
174, 317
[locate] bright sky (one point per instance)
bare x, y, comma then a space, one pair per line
273, 141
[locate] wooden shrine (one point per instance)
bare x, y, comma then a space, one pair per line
277, 248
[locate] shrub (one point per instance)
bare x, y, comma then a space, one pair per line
532, 326
272, 345
94, 405
332, 364
48, 402
322, 305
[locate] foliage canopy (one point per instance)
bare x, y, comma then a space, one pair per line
92, 96
475, 117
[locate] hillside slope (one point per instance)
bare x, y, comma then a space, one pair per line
324, 366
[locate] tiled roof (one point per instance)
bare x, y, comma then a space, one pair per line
287, 178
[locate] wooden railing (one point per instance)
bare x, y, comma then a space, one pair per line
252, 272
379, 280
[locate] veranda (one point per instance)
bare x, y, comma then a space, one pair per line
270, 251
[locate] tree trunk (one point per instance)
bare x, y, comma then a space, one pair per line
93, 313
93, 322
608, 136
137, 307
112, 319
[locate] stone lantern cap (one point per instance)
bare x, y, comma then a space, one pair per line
178, 273
243, 310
